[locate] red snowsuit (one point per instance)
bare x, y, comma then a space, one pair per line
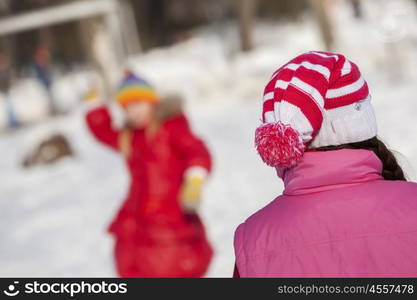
154, 237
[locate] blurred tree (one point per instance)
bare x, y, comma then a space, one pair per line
163, 22
5, 71
321, 11
246, 10
357, 8
282, 9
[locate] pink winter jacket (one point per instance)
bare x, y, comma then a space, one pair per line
337, 217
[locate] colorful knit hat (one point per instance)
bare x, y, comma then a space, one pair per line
317, 99
135, 89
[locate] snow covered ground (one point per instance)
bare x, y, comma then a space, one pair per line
53, 218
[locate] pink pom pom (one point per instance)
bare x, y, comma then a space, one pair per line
279, 145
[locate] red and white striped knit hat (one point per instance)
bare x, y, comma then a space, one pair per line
317, 99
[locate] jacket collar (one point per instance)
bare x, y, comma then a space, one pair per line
326, 170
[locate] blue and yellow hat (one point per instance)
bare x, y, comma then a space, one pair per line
135, 89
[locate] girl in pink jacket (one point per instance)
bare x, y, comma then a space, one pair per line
347, 209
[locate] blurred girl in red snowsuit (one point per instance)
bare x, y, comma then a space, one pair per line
157, 230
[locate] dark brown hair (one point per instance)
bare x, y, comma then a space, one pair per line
391, 170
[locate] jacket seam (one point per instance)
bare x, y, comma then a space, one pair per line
333, 187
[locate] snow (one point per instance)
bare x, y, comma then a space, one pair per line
30, 100
53, 218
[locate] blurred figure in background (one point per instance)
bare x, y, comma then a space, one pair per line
42, 70
5, 83
157, 230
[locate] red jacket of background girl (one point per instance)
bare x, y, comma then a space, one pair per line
152, 210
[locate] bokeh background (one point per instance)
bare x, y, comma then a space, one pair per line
59, 188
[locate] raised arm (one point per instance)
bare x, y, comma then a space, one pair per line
100, 124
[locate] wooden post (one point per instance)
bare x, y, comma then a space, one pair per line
100, 51
129, 28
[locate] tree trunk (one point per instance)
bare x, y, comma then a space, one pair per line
321, 11
357, 8
246, 16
